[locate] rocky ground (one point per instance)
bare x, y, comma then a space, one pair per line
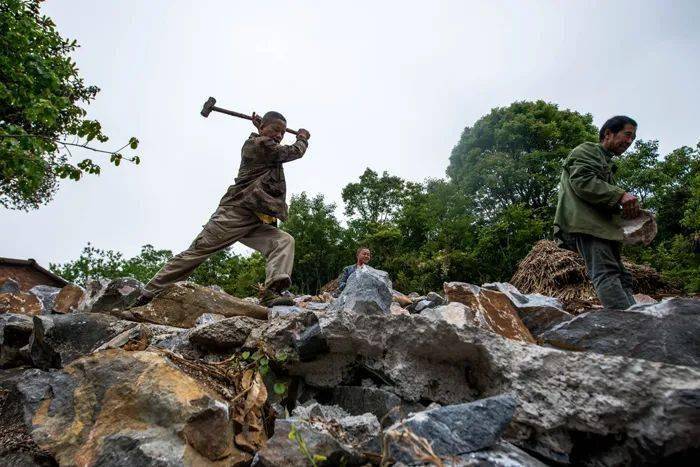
469, 376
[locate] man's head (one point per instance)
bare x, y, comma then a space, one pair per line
363, 255
618, 133
273, 125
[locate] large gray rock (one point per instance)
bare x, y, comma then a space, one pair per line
298, 335
124, 409
181, 304
501, 454
69, 299
453, 430
60, 339
46, 295
226, 334
280, 450
664, 332
17, 448
573, 407
15, 331
358, 400
116, 295
538, 312
368, 291
454, 313
9, 285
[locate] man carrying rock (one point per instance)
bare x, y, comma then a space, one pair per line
248, 213
589, 208
362, 257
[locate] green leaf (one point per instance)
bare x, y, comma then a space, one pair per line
264, 370
319, 458
281, 357
264, 361
133, 143
245, 355
279, 388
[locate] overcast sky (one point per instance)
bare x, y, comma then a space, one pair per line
386, 85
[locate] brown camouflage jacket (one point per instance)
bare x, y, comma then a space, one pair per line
260, 185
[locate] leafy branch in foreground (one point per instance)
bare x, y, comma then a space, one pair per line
41, 93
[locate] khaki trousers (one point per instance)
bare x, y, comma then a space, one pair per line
228, 225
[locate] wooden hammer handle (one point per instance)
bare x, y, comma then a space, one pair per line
247, 117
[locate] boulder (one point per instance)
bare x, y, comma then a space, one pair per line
125, 408
395, 309
115, 296
664, 332
283, 449
208, 318
94, 288
68, 299
297, 335
17, 448
60, 339
358, 400
10, 285
456, 314
276, 311
317, 306
501, 454
20, 303
46, 295
572, 407
400, 298
227, 334
15, 331
452, 430
367, 291
491, 308
180, 305
537, 312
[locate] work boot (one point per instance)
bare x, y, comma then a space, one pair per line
270, 297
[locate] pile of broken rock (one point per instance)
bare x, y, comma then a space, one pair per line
474, 376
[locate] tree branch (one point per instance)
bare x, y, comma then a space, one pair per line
65, 144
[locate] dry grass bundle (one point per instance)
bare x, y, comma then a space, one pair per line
550, 270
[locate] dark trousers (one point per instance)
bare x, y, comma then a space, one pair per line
611, 281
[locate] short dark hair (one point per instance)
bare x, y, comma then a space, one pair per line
272, 115
357, 253
615, 125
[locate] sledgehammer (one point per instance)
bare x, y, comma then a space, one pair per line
209, 106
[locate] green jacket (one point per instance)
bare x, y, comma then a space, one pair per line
588, 197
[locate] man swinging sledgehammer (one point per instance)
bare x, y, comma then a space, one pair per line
247, 212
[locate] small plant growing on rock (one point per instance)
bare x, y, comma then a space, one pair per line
314, 459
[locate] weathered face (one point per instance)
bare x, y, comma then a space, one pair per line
364, 256
620, 141
274, 129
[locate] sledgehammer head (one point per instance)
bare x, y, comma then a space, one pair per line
208, 106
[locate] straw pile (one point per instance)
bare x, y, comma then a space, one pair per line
553, 271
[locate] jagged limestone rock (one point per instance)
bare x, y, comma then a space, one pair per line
125, 408
664, 332
454, 429
368, 291
643, 410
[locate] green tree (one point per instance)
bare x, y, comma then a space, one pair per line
319, 253
235, 274
513, 155
373, 199
42, 119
